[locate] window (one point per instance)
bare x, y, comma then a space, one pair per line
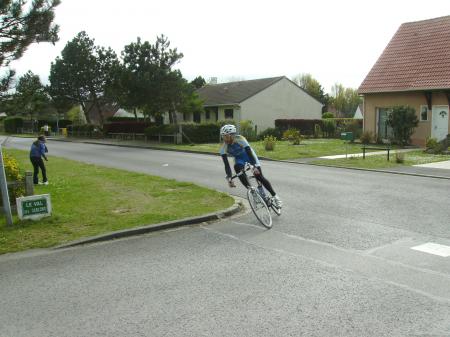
384, 130
423, 113
228, 113
197, 118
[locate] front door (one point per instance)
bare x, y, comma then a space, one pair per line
439, 126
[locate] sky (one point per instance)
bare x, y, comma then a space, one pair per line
334, 41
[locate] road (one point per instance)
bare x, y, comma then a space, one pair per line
338, 262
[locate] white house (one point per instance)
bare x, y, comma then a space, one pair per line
262, 101
358, 114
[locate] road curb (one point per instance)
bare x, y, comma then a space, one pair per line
264, 158
137, 147
237, 207
371, 170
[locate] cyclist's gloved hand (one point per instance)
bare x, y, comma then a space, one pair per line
256, 171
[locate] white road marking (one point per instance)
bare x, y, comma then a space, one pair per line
433, 248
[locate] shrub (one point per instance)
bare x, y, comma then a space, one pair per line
399, 157
88, 130
433, 146
202, 133
403, 120
269, 143
124, 119
293, 136
247, 130
12, 171
126, 127
274, 132
305, 126
192, 132
329, 128
12, 124
164, 129
327, 115
366, 137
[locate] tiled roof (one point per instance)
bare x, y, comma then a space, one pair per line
234, 92
417, 58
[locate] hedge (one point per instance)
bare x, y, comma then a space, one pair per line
12, 124
130, 126
306, 126
192, 132
124, 119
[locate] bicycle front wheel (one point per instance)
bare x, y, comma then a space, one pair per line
259, 207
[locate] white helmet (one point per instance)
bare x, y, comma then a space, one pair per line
227, 129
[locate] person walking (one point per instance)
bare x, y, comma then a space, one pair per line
37, 152
46, 129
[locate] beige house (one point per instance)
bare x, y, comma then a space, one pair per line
262, 101
413, 70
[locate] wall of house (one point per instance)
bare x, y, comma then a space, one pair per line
413, 99
212, 115
281, 100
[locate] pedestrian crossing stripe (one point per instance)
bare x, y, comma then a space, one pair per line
433, 248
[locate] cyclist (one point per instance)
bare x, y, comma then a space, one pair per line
236, 146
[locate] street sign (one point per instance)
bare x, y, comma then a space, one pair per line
34, 207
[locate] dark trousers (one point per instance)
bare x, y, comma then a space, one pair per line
244, 180
38, 163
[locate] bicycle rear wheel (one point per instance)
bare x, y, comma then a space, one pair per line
259, 207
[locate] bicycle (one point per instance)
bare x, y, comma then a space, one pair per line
260, 202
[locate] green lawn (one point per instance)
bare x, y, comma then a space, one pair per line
89, 200
284, 150
380, 161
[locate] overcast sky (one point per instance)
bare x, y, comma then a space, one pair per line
334, 41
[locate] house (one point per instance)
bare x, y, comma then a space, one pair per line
358, 113
262, 101
414, 70
126, 114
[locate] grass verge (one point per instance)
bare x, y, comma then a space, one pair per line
89, 200
380, 161
309, 148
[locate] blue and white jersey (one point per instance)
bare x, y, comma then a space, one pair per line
237, 150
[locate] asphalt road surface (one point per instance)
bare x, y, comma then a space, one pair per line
346, 258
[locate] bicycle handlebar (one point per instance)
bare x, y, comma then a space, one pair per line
247, 167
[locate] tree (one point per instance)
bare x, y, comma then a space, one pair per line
146, 80
352, 100
312, 87
30, 97
198, 82
21, 26
403, 120
338, 97
84, 74
344, 100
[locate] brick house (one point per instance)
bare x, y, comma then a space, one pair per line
414, 70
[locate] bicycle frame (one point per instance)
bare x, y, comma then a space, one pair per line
259, 186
